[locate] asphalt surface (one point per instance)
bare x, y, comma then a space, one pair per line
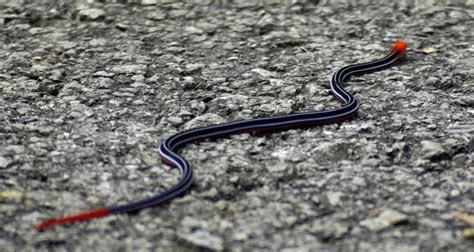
88, 91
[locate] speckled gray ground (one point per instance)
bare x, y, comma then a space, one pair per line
89, 91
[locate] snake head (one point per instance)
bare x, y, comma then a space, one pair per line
400, 47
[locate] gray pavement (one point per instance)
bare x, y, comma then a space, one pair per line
88, 91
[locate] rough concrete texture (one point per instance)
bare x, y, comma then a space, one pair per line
88, 91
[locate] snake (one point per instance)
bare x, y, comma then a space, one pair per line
169, 147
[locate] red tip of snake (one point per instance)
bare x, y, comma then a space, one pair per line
400, 46
98, 213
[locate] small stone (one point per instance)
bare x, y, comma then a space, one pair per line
11, 196
233, 58
23, 111
37, 58
175, 121
432, 80
359, 181
156, 15
395, 218
193, 68
92, 14
428, 30
432, 150
429, 50
98, 42
138, 78
228, 46
264, 73
188, 79
454, 193
468, 233
4, 162
329, 230
204, 239
204, 120
384, 220
149, 2
240, 236
466, 218
374, 213
122, 27
129, 69
17, 149
334, 198
192, 30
